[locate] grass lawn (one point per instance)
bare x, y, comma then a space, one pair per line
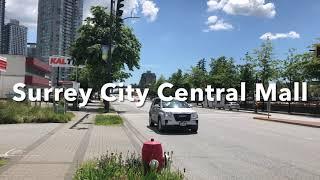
108, 120
14, 113
2, 162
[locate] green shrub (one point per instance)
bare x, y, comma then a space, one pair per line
107, 120
115, 166
14, 112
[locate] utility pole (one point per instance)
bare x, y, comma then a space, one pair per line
109, 63
113, 30
255, 98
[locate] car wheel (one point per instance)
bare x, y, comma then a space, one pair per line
195, 129
151, 124
160, 128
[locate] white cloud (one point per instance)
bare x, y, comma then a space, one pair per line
243, 7
216, 24
212, 20
289, 35
25, 11
214, 5
149, 9
130, 8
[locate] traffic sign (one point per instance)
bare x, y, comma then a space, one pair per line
61, 61
3, 64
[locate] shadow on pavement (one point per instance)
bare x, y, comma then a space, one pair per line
173, 132
122, 112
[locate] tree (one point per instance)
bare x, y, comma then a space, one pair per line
247, 74
153, 92
310, 65
83, 77
197, 78
202, 65
96, 32
291, 72
266, 65
179, 80
223, 73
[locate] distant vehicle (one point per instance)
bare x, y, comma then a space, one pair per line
215, 104
219, 104
231, 106
172, 114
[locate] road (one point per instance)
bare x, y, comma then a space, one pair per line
231, 145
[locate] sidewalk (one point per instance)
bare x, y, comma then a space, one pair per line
58, 154
301, 120
291, 119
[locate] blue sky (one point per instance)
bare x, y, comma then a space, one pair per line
178, 34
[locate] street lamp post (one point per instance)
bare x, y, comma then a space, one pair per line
113, 30
109, 63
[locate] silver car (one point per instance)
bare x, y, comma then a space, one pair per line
172, 114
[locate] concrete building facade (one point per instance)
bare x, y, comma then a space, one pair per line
20, 69
2, 18
15, 38
58, 22
32, 49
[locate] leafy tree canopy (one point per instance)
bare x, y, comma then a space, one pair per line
87, 48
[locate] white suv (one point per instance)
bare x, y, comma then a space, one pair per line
174, 113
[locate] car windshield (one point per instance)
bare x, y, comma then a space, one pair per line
175, 104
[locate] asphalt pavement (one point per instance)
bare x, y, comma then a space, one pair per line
232, 145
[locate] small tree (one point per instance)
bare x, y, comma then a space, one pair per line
266, 65
96, 32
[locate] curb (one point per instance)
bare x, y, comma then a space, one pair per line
294, 122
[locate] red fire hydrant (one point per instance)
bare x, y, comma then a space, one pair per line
152, 155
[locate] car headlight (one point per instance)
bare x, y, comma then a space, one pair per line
169, 114
194, 115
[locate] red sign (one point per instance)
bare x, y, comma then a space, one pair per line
3, 64
61, 61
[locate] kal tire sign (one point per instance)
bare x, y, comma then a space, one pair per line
61, 61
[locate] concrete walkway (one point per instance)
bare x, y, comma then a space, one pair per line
291, 119
301, 120
57, 154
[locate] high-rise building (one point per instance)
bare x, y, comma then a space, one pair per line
58, 22
15, 38
2, 17
147, 79
32, 49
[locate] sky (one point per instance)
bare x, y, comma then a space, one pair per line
176, 34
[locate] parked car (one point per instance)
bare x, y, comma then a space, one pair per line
172, 114
231, 106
